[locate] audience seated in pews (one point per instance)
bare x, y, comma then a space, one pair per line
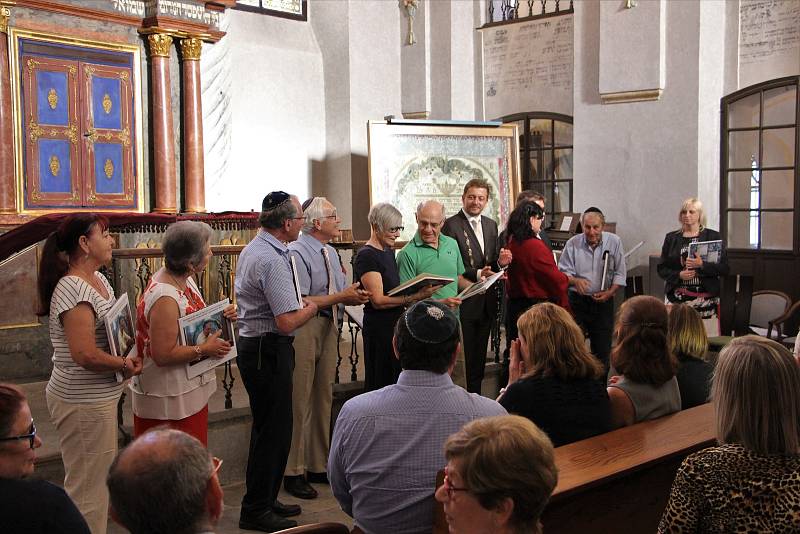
165, 482
646, 386
499, 476
750, 482
21, 499
553, 378
689, 344
387, 444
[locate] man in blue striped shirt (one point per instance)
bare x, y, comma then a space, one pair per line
269, 313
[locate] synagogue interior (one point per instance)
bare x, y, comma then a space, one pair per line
604, 126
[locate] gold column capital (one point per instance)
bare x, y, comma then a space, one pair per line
160, 44
191, 48
5, 15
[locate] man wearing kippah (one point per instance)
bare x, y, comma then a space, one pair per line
590, 296
269, 312
432, 252
388, 444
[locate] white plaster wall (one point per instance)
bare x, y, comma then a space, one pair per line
277, 108
638, 161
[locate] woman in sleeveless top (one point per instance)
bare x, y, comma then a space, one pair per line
83, 390
646, 387
164, 394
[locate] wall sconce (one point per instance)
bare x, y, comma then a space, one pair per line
411, 9
630, 4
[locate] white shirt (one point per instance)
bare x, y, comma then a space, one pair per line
477, 227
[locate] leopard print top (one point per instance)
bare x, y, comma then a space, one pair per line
731, 489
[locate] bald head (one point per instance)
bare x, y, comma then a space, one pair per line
164, 482
430, 217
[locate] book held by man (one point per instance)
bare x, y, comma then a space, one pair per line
418, 282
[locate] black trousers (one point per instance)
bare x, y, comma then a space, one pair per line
597, 319
381, 368
266, 364
475, 331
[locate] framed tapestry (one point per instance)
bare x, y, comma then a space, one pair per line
78, 121
409, 163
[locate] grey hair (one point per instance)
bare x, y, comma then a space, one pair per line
162, 489
424, 203
384, 216
184, 245
314, 212
274, 219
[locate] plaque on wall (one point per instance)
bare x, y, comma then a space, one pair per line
78, 122
292, 9
21, 270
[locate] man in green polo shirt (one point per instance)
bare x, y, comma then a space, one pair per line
432, 252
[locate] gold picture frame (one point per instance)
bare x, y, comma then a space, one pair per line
412, 161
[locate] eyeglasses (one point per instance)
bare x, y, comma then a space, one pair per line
333, 215
30, 436
448, 486
217, 464
396, 229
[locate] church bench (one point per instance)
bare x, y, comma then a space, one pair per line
620, 481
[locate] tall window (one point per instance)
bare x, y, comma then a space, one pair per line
545, 145
759, 167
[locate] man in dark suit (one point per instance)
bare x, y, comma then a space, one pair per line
477, 241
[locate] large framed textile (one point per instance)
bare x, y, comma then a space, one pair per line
409, 163
77, 113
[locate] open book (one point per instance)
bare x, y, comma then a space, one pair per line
480, 287
418, 282
709, 251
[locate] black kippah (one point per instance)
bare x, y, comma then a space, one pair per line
274, 200
430, 321
592, 209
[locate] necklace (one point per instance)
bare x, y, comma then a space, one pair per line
182, 289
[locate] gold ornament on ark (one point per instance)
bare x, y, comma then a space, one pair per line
55, 165
108, 168
107, 103
52, 98
5, 14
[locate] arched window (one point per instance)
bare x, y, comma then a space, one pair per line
545, 146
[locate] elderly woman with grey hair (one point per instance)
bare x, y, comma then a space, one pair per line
162, 394
376, 269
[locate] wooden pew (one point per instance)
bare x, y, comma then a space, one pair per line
620, 481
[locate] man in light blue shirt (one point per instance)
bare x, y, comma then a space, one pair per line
269, 313
388, 444
322, 281
590, 296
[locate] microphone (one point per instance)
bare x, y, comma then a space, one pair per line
605, 271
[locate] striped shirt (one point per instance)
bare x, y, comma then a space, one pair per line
69, 381
264, 285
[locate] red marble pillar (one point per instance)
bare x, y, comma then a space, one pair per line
193, 164
7, 195
163, 140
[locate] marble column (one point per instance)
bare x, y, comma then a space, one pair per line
193, 165
163, 140
7, 195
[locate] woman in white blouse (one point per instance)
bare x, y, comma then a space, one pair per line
83, 390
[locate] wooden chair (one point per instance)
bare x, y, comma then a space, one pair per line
634, 285
318, 528
734, 313
789, 320
765, 307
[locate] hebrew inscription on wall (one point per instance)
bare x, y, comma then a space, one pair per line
528, 66
769, 40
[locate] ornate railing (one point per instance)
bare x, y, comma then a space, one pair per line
508, 10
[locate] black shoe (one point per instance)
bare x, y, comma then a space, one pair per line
317, 478
286, 510
298, 487
266, 522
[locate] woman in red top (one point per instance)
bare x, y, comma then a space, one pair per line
533, 276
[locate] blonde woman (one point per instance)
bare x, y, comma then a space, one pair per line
749, 483
553, 378
689, 344
691, 280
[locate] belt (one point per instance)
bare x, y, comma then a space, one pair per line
271, 336
325, 312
